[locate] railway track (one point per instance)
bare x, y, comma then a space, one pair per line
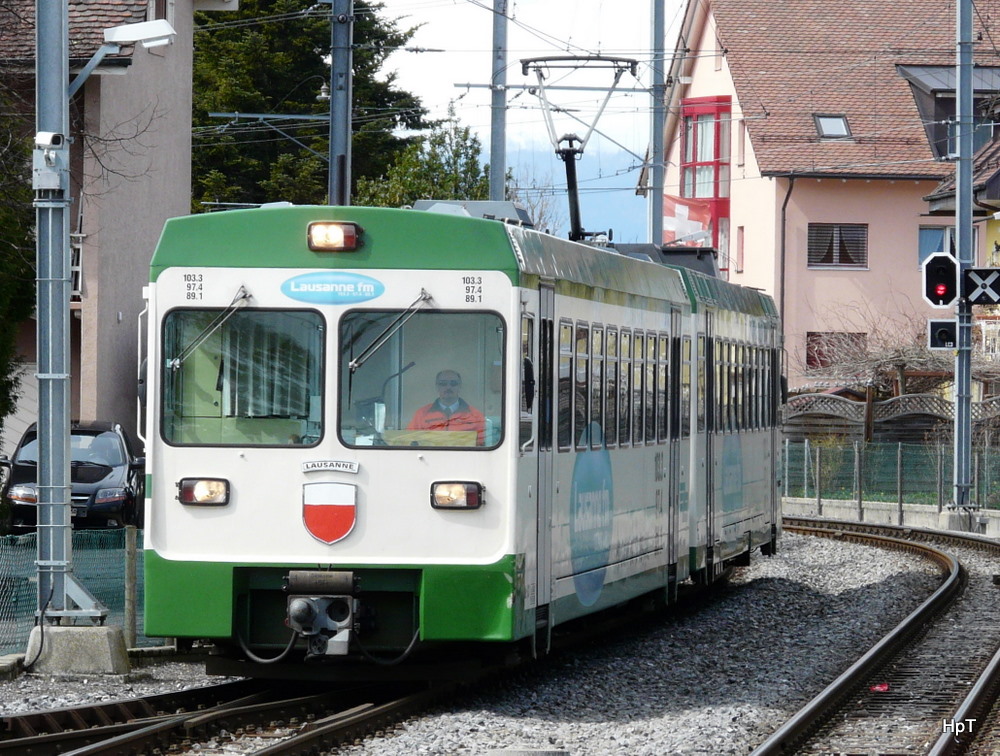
911, 692
888, 711
180, 722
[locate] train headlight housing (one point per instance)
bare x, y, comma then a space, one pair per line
205, 492
456, 495
334, 236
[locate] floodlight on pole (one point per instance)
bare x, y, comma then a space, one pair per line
148, 33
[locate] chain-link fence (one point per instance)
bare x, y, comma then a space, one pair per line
100, 561
888, 472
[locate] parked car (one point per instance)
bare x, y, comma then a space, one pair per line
107, 478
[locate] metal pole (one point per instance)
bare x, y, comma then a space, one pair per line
498, 104
131, 555
940, 477
57, 588
50, 180
806, 458
341, 60
819, 487
858, 480
963, 227
788, 462
658, 93
899, 480
569, 155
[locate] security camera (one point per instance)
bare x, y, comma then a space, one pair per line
48, 139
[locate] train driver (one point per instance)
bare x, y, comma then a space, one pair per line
449, 412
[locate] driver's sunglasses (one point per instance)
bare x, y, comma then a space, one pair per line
449, 383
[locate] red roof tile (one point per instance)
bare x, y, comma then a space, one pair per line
87, 21
790, 60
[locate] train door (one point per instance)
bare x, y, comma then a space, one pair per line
546, 410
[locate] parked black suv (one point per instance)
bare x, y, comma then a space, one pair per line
106, 477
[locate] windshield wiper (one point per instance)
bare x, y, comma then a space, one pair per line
389, 331
242, 295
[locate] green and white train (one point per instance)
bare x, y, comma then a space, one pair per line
312, 500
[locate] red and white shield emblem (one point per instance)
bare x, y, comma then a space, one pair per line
329, 510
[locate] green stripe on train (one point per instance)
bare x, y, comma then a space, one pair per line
195, 599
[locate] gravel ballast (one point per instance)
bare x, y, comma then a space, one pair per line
715, 681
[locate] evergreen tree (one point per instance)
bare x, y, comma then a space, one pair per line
268, 57
17, 249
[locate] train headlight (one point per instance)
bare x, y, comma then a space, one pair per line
206, 492
334, 236
456, 495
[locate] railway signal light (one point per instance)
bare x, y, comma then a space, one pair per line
942, 334
940, 273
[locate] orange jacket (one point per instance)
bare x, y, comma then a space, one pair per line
434, 417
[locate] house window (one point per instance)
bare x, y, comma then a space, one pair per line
826, 349
832, 126
982, 132
933, 89
838, 245
739, 248
705, 157
934, 239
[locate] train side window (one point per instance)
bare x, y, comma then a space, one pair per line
685, 408
651, 388
761, 387
662, 387
637, 391
745, 395
611, 388
741, 387
624, 391
731, 388
703, 367
565, 398
545, 380
528, 382
597, 384
581, 395
730, 397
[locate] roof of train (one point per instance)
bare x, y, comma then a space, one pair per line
275, 237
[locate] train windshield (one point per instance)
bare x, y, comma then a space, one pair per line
421, 378
242, 377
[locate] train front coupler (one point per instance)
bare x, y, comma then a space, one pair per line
323, 609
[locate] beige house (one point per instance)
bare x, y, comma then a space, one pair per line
813, 134
131, 170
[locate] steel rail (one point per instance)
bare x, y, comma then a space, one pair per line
802, 724
981, 698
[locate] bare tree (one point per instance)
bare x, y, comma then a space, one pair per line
885, 349
539, 198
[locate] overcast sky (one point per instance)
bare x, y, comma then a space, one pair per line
462, 30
